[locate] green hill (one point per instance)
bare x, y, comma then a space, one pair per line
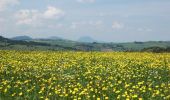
8, 44
63, 44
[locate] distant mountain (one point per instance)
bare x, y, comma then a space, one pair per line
86, 39
9, 44
21, 38
49, 38
54, 38
3, 39
87, 44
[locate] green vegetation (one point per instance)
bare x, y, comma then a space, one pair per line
56, 75
65, 45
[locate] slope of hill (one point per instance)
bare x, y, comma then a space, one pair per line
141, 45
8, 44
131, 46
62, 44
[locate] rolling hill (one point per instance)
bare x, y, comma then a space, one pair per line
8, 44
63, 44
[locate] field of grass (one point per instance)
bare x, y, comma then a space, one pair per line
47, 75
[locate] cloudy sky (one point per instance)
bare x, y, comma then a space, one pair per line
104, 20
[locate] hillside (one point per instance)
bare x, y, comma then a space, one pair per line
131, 46
8, 44
63, 44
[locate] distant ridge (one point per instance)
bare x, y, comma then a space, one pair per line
88, 45
2, 39
21, 38
54, 38
9, 44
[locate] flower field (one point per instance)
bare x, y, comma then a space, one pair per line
49, 75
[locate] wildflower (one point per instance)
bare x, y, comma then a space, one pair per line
134, 96
106, 98
98, 98
140, 99
46, 99
20, 94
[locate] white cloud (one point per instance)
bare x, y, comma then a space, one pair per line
84, 1
53, 13
6, 3
27, 16
35, 17
117, 25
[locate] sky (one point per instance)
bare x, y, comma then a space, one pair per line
103, 20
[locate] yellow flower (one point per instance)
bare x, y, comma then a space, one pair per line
73, 92
41, 97
20, 94
5, 90
127, 99
13, 94
150, 89
135, 96
76, 89
157, 92
117, 92
119, 82
106, 98
46, 99
104, 88
66, 95
140, 99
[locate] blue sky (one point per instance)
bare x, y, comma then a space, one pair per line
104, 20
